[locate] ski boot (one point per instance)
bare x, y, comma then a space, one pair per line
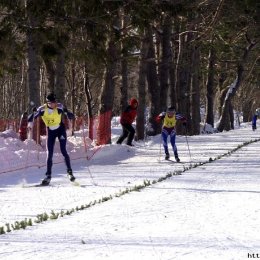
167, 156
46, 181
177, 159
70, 175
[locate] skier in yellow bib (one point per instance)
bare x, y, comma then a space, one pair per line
51, 113
169, 119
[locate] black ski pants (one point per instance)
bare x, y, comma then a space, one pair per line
59, 133
128, 132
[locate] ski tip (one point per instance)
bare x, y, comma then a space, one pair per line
34, 185
75, 183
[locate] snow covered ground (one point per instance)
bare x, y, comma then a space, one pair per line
209, 212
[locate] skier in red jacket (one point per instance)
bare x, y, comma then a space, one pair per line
126, 120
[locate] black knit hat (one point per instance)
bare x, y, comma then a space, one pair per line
51, 97
171, 109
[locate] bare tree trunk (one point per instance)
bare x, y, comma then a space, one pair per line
232, 89
195, 92
140, 121
249, 93
172, 90
33, 63
226, 118
124, 65
210, 87
50, 74
173, 63
73, 87
247, 110
107, 94
231, 116
165, 62
89, 106
60, 76
124, 85
221, 80
183, 77
153, 85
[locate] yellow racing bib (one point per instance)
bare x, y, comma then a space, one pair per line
51, 119
169, 122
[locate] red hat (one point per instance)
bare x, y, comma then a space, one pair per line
133, 101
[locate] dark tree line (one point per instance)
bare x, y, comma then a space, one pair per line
96, 54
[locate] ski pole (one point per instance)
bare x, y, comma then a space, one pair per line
91, 176
38, 139
160, 151
145, 136
84, 136
86, 151
26, 165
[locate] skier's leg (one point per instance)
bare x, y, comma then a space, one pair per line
123, 135
63, 141
131, 134
50, 148
173, 143
165, 144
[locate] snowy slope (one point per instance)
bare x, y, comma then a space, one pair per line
209, 212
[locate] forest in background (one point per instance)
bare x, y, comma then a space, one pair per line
96, 54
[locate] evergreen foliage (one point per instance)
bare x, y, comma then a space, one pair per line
78, 36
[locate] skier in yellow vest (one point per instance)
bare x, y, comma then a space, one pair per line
169, 119
51, 113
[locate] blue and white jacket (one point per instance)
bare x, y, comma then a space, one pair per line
257, 114
52, 117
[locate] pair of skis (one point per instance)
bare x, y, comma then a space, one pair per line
73, 183
170, 160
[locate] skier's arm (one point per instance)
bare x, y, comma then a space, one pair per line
69, 114
30, 118
160, 117
182, 119
39, 112
30, 121
63, 110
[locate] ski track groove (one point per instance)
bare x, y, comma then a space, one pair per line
178, 166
